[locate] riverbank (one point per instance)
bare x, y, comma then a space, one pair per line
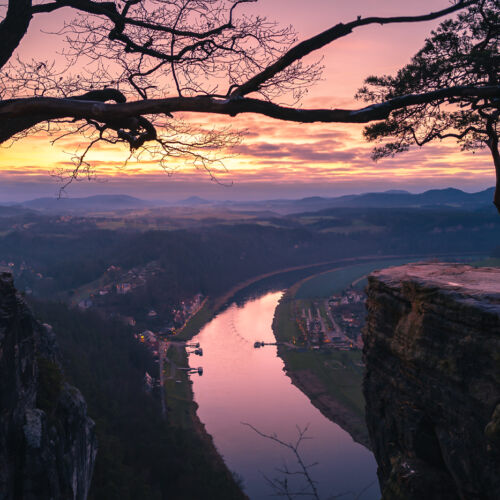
220, 301
331, 380
182, 412
179, 397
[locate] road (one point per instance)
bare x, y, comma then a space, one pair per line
337, 331
163, 348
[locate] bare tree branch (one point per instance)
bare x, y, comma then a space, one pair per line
463, 50
212, 58
282, 485
14, 27
47, 108
319, 41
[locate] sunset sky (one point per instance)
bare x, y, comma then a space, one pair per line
276, 159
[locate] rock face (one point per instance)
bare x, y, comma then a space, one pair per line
47, 442
432, 384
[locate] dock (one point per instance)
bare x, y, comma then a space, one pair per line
259, 344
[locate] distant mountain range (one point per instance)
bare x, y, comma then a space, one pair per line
435, 197
450, 197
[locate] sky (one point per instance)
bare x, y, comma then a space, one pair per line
276, 159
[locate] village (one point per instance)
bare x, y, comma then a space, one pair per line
187, 309
160, 341
119, 294
117, 282
333, 323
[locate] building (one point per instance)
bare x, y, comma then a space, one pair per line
85, 304
123, 288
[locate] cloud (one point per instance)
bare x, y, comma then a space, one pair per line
322, 151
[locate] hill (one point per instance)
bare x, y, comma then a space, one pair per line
434, 198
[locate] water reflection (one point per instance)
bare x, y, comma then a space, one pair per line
243, 384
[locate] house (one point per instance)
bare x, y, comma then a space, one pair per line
149, 381
123, 288
85, 304
129, 320
149, 335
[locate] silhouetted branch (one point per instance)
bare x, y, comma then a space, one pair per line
13, 27
281, 485
49, 108
321, 40
210, 56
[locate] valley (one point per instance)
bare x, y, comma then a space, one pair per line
161, 281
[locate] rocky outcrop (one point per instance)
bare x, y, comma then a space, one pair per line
47, 442
432, 383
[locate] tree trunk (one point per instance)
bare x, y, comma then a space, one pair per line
493, 145
14, 27
496, 158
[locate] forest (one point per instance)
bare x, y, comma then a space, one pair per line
218, 253
140, 454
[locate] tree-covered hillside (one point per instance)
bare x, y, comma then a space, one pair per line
140, 455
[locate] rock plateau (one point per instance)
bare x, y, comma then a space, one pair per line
432, 384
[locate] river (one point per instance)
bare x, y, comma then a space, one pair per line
244, 384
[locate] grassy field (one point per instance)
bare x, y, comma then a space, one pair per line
330, 282
340, 372
331, 379
284, 325
86, 290
491, 262
179, 396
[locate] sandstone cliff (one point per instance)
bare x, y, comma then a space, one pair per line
47, 442
432, 385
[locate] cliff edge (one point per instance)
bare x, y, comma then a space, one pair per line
47, 442
432, 383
